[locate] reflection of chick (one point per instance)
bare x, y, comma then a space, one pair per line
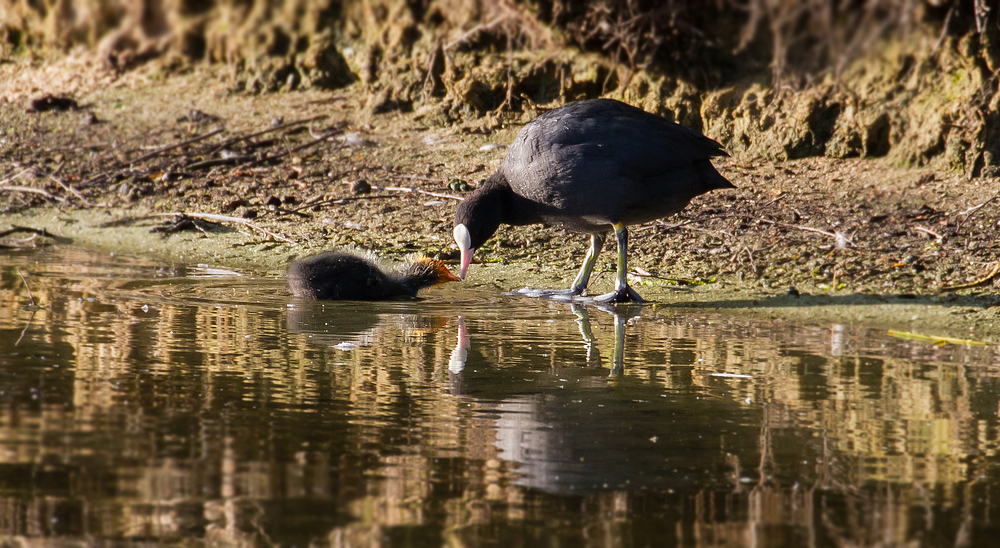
336, 275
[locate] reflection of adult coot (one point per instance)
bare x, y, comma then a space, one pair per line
336, 275
591, 166
585, 436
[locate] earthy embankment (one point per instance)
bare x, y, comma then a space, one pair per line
861, 242
865, 143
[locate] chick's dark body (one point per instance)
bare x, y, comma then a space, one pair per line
336, 275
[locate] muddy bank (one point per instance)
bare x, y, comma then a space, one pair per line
861, 241
911, 81
971, 316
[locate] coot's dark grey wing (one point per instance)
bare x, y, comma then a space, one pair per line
604, 160
638, 142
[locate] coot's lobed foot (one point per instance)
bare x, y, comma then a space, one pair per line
554, 294
625, 295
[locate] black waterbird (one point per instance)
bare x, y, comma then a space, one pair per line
339, 275
592, 166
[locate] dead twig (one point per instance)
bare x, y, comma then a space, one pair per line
659, 223
31, 299
476, 29
28, 189
981, 281
26, 326
220, 162
683, 225
418, 191
835, 235
416, 177
944, 31
28, 229
185, 142
753, 265
99, 178
323, 201
19, 242
272, 129
291, 151
642, 273
774, 201
971, 212
226, 219
15, 176
71, 190
929, 232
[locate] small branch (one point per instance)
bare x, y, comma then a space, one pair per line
971, 212
418, 191
929, 232
682, 225
476, 29
226, 219
291, 151
322, 201
835, 235
644, 274
28, 189
753, 265
26, 326
280, 127
37, 231
72, 190
219, 162
31, 300
982, 281
12, 177
161, 150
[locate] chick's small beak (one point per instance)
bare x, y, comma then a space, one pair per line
464, 241
446, 275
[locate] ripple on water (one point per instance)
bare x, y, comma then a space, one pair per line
174, 402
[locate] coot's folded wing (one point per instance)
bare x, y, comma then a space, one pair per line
599, 142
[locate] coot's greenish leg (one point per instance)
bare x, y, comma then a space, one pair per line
581, 281
583, 278
622, 293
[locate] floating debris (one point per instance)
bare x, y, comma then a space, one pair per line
937, 341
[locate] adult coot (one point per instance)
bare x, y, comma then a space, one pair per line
337, 275
592, 166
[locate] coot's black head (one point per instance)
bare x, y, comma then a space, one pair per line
478, 217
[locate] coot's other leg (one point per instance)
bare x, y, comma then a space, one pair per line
622, 293
582, 278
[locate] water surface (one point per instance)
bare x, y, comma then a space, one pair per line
148, 403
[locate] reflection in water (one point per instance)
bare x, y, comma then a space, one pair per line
621, 313
145, 403
456, 362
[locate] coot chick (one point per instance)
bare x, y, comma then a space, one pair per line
337, 275
591, 166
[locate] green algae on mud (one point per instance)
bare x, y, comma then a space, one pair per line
971, 317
